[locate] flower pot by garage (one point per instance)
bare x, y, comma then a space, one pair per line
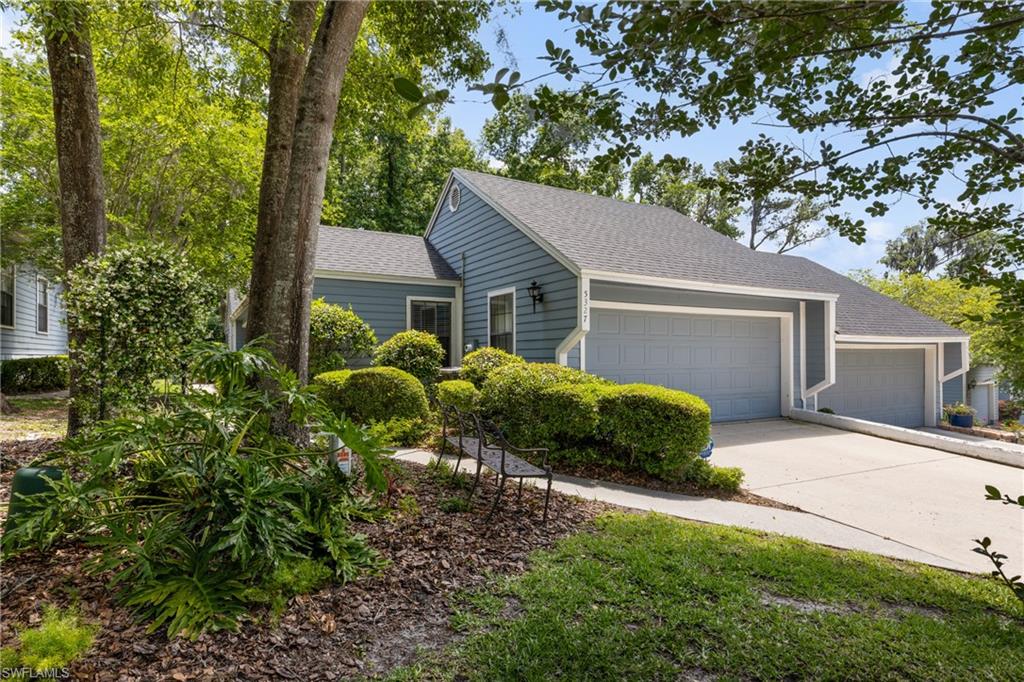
965, 421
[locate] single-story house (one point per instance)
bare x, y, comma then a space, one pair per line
640, 293
31, 313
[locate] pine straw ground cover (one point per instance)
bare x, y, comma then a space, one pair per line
365, 628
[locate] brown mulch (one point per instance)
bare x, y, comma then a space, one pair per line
639, 479
364, 628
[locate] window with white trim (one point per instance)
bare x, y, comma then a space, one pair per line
501, 320
7, 278
434, 317
42, 306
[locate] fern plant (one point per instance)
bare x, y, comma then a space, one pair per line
195, 502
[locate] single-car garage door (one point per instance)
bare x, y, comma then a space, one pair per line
880, 385
732, 362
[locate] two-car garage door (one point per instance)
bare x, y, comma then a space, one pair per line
734, 363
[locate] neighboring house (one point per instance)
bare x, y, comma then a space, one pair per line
642, 293
31, 314
984, 391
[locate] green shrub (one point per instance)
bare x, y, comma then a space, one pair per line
476, 366
336, 336
705, 475
418, 353
55, 643
400, 431
661, 429
293, 576
568, 414
511, 396
374, 394
459, 394
34, 375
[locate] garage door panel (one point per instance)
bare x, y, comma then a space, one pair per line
732, 362
883, 385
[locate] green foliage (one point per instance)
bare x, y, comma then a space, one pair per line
418, 353
478, 364
922, 249
33, 375
400, 431
138, 309
293, 576
569, 415
193, 504
706, 475
454, 505
958, 408
1014, 583
336, 335
374, 394
55, 643
661, 429
462, 395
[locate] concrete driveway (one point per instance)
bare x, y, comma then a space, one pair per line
924, 498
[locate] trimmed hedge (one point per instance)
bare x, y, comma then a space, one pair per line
662, 429
33, 375
374, 394
418, 353
568, 414
476, 366
459, 394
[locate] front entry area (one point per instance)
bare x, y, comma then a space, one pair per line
880, 385
732, 362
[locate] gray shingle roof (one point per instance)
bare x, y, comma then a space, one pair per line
379, 253
598, 233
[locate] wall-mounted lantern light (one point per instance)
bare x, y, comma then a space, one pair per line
535, 293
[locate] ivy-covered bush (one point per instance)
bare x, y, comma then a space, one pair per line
193, 506
512, 396
477, 365
336, 336
374, 394
418, 353
32, 375
659, 429
138, 308
459, 394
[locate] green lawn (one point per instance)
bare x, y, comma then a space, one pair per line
37, 418
648, 597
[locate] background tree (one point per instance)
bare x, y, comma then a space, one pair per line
923, 249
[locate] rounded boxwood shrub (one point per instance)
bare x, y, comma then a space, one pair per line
31, 375
459, 394
568, 414
374, 394
418, 353
662, 429
336, 335
476, 366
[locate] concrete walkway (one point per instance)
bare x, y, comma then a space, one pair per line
709, 510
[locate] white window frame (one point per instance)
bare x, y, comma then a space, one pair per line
14, 298
502, 292
41, 279
455, 352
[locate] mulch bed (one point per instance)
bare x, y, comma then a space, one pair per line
361, 629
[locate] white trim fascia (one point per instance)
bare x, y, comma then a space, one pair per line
931, 370
502, 292
831, 337
673, 283
803, 354
387, 279
853, 338
14, 299
516, 222
440, 202
46, 297
579, 332
455, 351
242, 306
457, 329
785, 318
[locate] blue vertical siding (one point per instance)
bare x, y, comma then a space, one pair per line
952, 357
497, 255
23, 341
953, 390
814, 330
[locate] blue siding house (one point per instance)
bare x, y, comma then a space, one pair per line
31, 314
635, 292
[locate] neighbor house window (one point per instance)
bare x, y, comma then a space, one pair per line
7, 296
42, 306
435, 317
501, 320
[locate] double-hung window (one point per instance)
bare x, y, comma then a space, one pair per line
42, 306
501, 319
434, 316
7, 277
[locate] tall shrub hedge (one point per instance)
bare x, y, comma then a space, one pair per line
31, 375
374, 394
476, 366
418, 353
336, 336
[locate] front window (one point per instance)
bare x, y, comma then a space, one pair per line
7, 296
434, 317
42, 306
501, 320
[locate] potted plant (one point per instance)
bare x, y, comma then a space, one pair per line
960, 415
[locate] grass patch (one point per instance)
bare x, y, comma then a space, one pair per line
649, 597
55, 643
293, 576
36, 418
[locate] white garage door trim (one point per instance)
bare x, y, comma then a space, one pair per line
930, 370
785, 335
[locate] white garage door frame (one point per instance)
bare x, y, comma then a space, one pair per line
785, 335
930, 370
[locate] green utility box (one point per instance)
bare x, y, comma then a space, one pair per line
29, 481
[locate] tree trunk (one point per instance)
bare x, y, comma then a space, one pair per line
282, 282
79, 157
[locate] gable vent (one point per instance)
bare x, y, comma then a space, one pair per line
454, 197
